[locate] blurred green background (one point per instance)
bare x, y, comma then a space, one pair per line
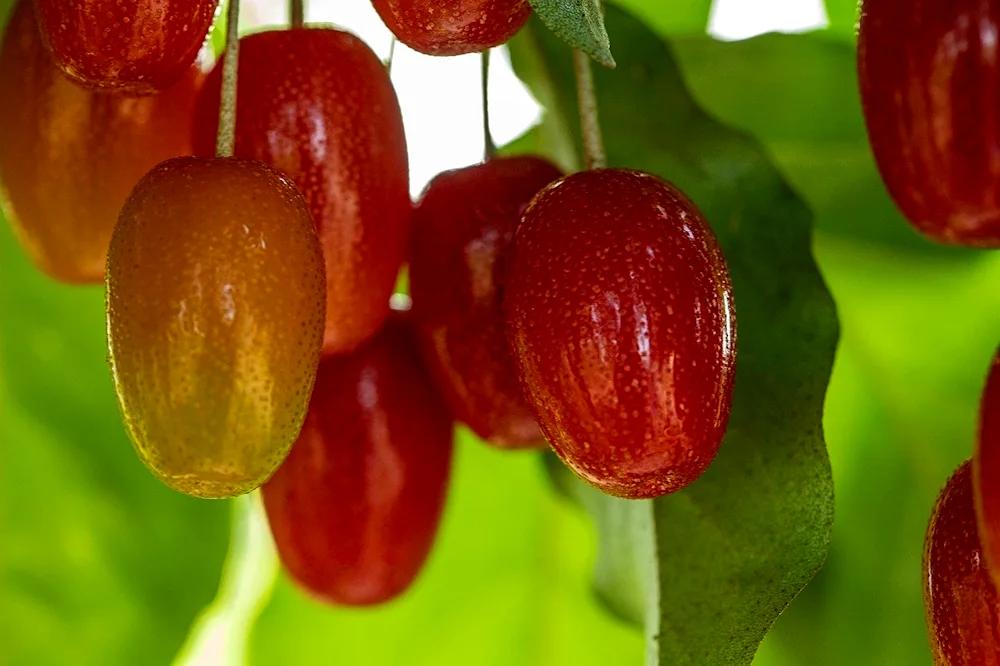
99, 564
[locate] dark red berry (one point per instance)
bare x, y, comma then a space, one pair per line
986, 470
317, 104
463, 226
355, 507
959, 597
453, 27
620, 315
930, 84
139, 46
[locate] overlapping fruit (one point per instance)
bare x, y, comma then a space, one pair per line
250, 332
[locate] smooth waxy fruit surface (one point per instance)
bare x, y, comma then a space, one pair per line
139, 46
355, 508
986, 469
620, 316
70, 156
453, 27
318, 105
215, 304
463, 227
959, 598
930, 84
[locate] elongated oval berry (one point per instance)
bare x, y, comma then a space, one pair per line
930, 84
453, 27
620, 316
215, 305
355, 508
69, 156
959, 598
463, 227
138, 46
318, 104
986, 470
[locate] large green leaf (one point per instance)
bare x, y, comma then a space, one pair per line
920, 323
843, 16
732, 550
100, 563
505, 584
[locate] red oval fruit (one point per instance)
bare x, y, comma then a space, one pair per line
986, 470
355, 508
463, 227
620, 315
318, 105
930, 84
453, 27
959, 598
215, 309
69, 156
139, 46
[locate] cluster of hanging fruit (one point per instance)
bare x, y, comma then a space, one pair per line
930, 84
250, 236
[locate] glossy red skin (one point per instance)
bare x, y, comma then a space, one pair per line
453, 27
620, 315
355, 507
960, 600
317, 104
930, 85
463, 227
986, 470
70, 156
138, 46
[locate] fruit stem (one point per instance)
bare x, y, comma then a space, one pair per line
226, 138
392, 52
489, 146
297, 13
590, 126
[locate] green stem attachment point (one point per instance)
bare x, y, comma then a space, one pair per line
590, 126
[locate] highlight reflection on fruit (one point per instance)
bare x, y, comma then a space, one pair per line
463, 226
317, 104
959, 598
70, 156
215, 309
620, 316
355, 508
930, 84
138, 46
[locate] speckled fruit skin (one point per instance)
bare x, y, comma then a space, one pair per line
930, 84
317, 104
959, 598
986, 470
355, 508
620, 316
453, 27
70, 156
462, 229
215, 307
136, 46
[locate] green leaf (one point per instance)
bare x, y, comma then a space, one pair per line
101, 563
506, 583
579, 23
677, 17
843, 16
733, 549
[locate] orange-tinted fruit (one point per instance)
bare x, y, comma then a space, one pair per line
317, 104
986, 470
69, 156
959, 597
462, 231
453, 27
135, 46
355, 508
215, 308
